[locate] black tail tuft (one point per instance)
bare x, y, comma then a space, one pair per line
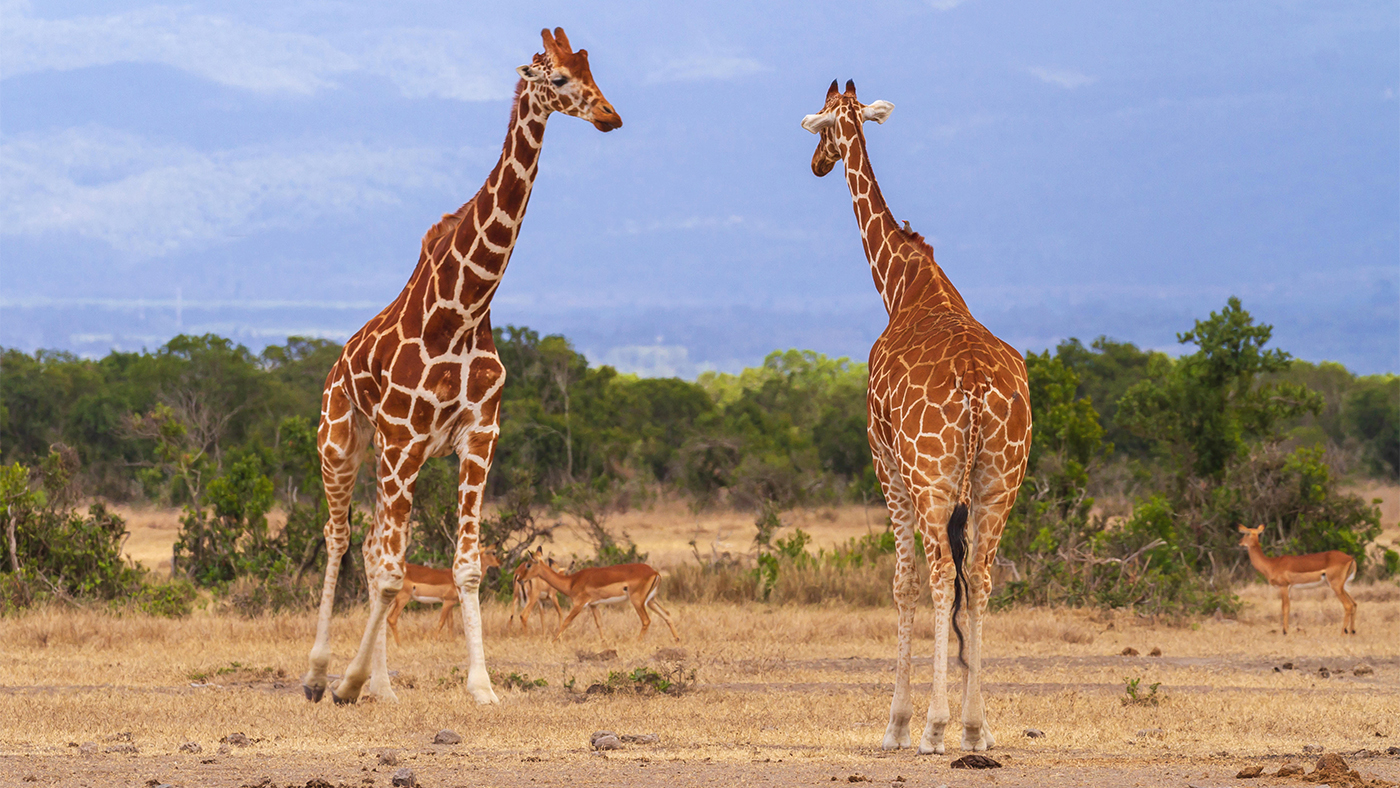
957, 539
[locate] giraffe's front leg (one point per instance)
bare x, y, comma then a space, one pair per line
476, 454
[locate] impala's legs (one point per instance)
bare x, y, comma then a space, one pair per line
656, 606
639, 603
599, 622
1339, 587
1283, 595
341, 439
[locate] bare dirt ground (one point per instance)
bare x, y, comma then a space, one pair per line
779, 696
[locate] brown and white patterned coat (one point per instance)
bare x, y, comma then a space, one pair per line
950, 429
422, 379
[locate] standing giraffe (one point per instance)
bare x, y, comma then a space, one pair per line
423, 379
950, 428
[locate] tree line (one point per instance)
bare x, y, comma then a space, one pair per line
1141, 466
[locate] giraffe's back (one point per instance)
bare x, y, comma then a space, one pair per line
926, 370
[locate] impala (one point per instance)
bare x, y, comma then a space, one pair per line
430, 586
529, 593
1333, 567
588, 588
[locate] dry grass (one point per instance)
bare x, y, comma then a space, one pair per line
768, 677
806, 685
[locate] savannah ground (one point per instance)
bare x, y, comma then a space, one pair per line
779, 695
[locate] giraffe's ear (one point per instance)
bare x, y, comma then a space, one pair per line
817, 123
878, 111
530, 73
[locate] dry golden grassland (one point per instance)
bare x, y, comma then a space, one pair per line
777, 695
780, 695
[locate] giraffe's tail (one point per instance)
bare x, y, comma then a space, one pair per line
957, 524
957, 539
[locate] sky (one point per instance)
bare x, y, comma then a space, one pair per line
265, 169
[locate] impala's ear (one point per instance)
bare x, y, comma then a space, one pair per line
878, 111
816, 123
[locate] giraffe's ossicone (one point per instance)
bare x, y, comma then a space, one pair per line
950, 430
422, 379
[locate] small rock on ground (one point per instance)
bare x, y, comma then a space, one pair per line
1288, 770
640, 738
237, 740
191, 746
1034, 733
1332, 764
403, 778
1249, 772
1324, 672
119, 748
1288, 666
447, 736
975, 761
1392, 751
857, 778
605, 740
1312, 748
606, 655
1129, 651
389, 758
1155, 652
1363, 670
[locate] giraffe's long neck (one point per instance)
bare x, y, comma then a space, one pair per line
903, 268
489, 224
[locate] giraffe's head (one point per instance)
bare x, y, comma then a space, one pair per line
839, 119
1250, 536
559, 78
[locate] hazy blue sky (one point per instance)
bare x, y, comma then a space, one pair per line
259, 169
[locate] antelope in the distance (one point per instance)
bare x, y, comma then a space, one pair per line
588, 588
531, 593
1286, 572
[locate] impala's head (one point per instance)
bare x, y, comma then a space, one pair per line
560, 79
489, 559
840, 118
1250, 536
529, 566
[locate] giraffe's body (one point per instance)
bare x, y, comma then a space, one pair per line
422, 379
950, 429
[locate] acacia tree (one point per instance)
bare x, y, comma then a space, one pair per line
1204, 409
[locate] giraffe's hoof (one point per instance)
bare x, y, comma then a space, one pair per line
930, 750
313, 694
339, 701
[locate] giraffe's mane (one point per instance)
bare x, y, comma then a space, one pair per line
450, 221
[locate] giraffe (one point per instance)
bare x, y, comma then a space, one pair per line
422, 379
949, 431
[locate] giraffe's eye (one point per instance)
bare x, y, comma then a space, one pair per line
560, 81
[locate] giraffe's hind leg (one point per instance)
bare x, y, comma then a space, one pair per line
384, 566
341, 438
986, 519
906, 599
